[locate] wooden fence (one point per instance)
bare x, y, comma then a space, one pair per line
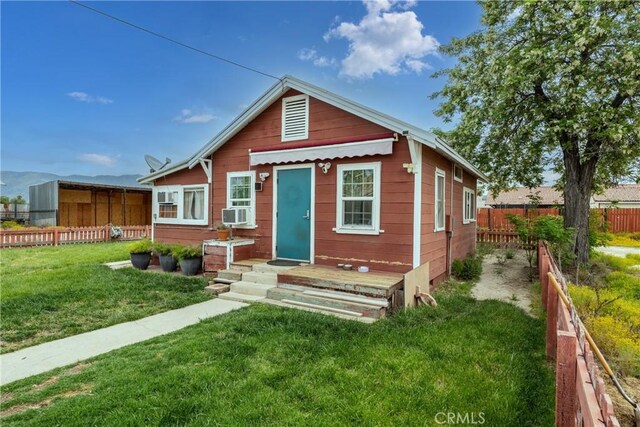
581, 396
618, 220
27, 237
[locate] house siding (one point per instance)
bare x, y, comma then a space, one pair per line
434, 244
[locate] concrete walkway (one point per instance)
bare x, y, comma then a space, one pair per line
620, 251
55, 354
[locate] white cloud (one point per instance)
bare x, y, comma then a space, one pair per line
187, 116
388, 39
90, 99
307, 54
98, 159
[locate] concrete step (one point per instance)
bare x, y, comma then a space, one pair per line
223, 281
230, 274
216, 288
266, 268
266, 278
251, 288
313, 300
318, 310
235, 296
240, 267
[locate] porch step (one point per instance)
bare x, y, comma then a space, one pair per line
338, 295
246, 264
266, 278
343, 304
230, 274
235, 296
251, 288
317, 310
266, 268
224, 281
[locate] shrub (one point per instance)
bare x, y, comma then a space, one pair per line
143, 246
12, 225
469, 268
614, 338
165, 249
509, 254
185, 252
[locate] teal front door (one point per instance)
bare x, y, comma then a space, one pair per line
293, 214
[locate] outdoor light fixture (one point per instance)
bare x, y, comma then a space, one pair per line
263, 176
325, 166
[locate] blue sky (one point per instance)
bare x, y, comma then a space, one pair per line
84, 94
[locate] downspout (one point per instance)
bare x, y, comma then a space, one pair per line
450, 224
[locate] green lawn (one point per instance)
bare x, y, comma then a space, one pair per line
266, 365
49, 293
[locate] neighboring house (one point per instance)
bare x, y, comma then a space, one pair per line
523, 197
323, 180
80, 204
622, 196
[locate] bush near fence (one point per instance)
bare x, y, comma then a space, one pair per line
27, 237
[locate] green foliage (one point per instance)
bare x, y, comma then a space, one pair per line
187, 251
55, 292
165, 248
631, 240
550, 228
12, 225
598, 227
266, 365
469, 268
4, 200
142, 246
18, 200
509, 254
221, 226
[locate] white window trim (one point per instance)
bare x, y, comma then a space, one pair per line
375, 214
252, 210
443, 174
457, 166
180, 219
466, 191
306, 114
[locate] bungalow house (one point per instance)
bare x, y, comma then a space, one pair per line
321, 179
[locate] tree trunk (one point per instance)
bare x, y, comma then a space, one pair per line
577, 197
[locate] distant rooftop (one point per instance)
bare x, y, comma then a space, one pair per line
550, 196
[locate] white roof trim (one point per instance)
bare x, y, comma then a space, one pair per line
333, 151
384, 120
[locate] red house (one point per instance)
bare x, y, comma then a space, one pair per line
321, 179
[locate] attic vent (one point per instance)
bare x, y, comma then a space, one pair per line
295, 118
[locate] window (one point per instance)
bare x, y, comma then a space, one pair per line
295, 118
468, 205
176, 204
358, 198
439, 211
457, 172
240, 192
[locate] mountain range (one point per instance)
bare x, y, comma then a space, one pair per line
17, 183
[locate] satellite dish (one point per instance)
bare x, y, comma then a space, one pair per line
155, 164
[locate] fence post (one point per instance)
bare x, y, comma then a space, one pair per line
552, 320
107, 233
56, 237
566, 366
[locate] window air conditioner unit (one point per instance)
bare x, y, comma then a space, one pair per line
166, 197
235, 216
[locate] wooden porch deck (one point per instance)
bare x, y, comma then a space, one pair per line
373, 283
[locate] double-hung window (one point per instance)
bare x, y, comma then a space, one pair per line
468, 205
241, 194
358, 202
177, 204
440, 200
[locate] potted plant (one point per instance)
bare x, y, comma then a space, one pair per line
140, 252
223, 231
190, 259
168, 260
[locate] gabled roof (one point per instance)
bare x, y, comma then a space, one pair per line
520, 196
289, 82
620, 193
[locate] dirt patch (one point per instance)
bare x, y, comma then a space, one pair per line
505, 280
622, 408
45, 383
17, 409
5, 397
78, 368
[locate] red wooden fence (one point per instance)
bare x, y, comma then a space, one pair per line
619, 220
581, 396
60, 236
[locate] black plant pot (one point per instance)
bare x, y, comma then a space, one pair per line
190, 266
168, 263
140, 261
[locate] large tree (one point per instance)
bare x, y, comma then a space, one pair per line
549, 86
